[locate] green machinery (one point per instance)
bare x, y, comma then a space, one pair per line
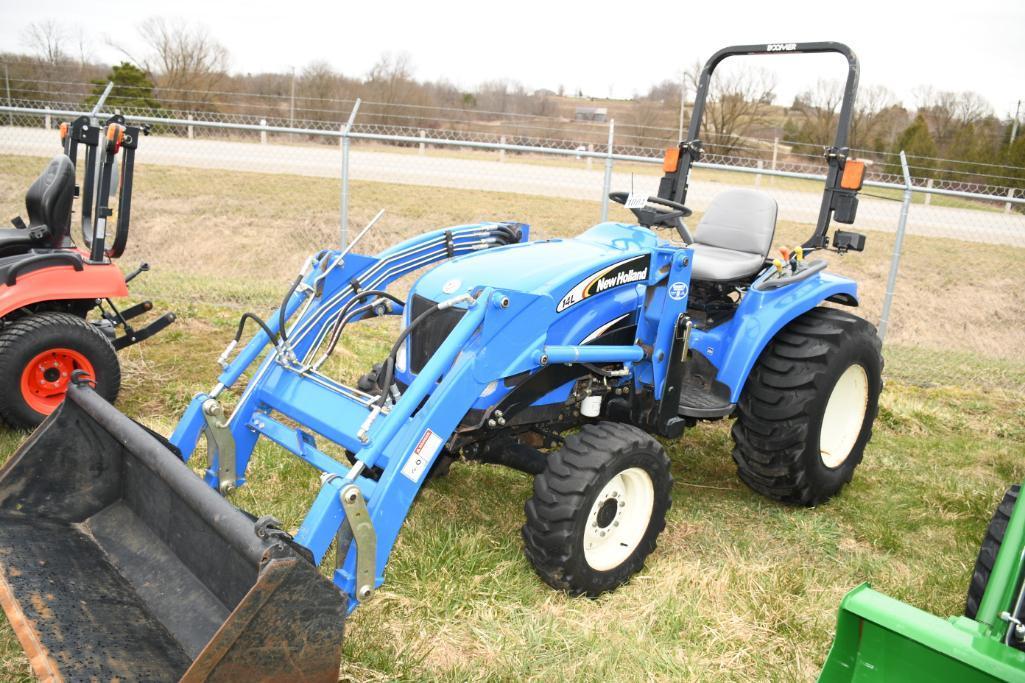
879, 638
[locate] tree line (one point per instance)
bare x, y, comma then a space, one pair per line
182, 67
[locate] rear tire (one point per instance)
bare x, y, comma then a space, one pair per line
806, 412
38, 353
988, 550
597, 509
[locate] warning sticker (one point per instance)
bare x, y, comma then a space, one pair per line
426, 448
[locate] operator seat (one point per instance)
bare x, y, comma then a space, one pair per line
48, 203
734, 236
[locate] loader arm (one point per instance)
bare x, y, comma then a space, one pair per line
499, 334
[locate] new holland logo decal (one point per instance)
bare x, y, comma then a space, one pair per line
628, 272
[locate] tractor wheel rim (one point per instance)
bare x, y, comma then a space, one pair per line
44, 381
844, 416
618, 519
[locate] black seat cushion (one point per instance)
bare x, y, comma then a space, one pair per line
48, 201
14, 241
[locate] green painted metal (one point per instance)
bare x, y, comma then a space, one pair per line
1005, 579
879, 638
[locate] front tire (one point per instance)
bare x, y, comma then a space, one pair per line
597, 509
39, 353
988, 550
806, 412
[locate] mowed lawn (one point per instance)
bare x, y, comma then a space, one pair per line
740, 588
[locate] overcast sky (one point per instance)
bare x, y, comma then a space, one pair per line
601, 48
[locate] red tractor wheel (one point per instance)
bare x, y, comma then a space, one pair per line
45, 378
38, 355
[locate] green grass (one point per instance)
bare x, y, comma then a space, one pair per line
740, 588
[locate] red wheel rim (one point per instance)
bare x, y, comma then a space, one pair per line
45, 378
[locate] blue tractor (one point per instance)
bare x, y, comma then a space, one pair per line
564, 358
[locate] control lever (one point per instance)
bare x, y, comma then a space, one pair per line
143, 267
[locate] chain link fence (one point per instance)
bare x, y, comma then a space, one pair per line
228, 207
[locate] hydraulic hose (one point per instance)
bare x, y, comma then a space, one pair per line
389, 363
343, 317
284, 304
258, 320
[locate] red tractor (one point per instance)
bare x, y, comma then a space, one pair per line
49, 285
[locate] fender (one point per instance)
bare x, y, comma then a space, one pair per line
760, 316
62, 283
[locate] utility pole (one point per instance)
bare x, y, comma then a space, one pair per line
10, 115
291, 103
1014, 126
683, 105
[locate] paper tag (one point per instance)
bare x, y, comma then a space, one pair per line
636, 201
425, 450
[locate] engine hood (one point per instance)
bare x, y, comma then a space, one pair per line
553, 267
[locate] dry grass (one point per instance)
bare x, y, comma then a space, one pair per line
739, 589
237, 238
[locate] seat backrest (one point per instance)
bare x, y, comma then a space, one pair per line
48, 201
741, 220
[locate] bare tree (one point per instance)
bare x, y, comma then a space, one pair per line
322, 89
46, 39
874, 117
391, 77
948, 112
818, 108
182, 57
738, 100
645, 121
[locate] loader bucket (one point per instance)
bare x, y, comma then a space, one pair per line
879, 638
118, 563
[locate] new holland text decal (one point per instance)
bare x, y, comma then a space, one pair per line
628, 272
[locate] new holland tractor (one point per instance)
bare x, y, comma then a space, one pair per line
564, 358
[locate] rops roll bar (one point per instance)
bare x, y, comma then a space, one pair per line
839, 199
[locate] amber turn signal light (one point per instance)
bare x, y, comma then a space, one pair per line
853, 175
671, 160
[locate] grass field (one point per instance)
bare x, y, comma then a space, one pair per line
740, 588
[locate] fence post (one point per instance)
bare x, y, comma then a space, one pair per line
501, 152
775, 152
423, 145
758, 176
898, 245
1010, 195
46, 122
263, 133
928, 195
191, 129
343, 215
590, 160
606, 185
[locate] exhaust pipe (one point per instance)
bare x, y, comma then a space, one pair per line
118, 563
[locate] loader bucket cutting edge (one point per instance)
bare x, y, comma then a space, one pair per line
879, 638
118, 563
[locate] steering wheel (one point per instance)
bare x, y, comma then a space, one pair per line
649, 217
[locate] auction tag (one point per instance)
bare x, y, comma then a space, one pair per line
636, 201
425, 450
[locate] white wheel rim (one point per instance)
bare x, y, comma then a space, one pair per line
844, 416
618, 519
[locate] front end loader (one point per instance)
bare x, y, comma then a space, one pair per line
879, 638
562, 358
